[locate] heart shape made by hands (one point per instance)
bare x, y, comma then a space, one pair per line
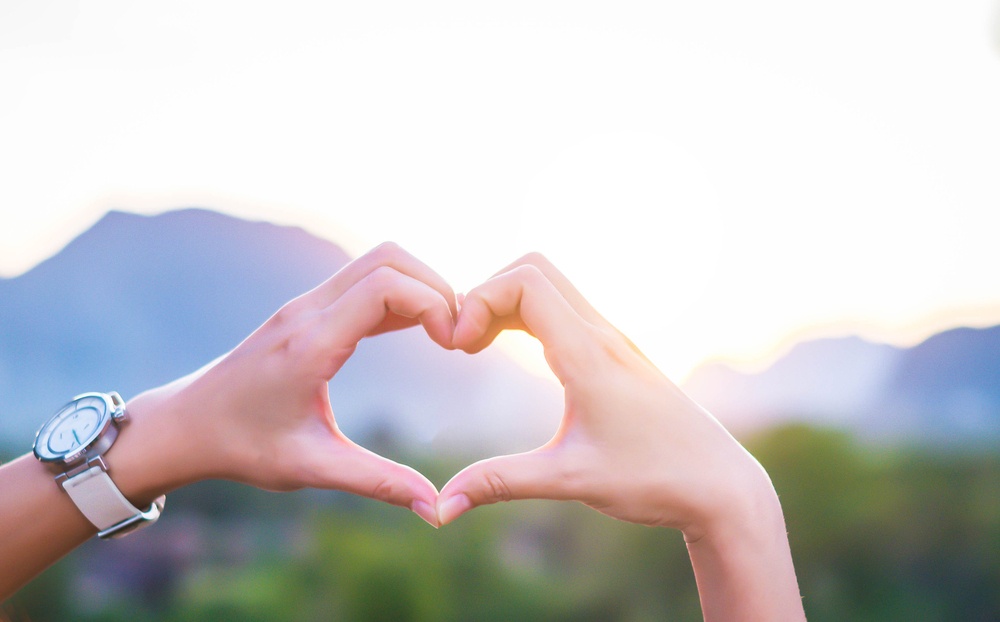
629, 443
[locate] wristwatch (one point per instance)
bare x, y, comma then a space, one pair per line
73, 442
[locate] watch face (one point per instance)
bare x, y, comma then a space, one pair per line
74, 427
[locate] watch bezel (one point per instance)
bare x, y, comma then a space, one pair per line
96, 443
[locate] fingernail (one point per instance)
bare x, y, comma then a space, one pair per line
426, 512
453, 508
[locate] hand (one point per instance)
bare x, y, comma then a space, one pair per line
630, 445
261, 415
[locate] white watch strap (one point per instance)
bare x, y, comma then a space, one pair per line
98, 498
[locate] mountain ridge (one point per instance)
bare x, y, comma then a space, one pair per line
136, 301
943, 389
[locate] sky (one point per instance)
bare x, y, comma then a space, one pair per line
719, 178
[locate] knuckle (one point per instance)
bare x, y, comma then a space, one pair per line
384, 490
534, 258
614, 346
283, 328
387, 252
529, 273
574, 478
381, 278
293, 334
474, 298
286, 315
496, 486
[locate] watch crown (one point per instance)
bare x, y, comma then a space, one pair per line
118, 415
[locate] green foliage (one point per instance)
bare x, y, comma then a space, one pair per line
888, 534
877, 533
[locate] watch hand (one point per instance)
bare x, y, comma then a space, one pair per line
77, 438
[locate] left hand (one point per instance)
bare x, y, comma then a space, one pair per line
261, 415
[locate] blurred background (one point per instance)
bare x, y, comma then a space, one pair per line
791, 208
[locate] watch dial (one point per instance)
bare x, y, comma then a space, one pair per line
74, 426
74, 430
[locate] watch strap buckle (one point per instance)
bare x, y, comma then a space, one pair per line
133, 523
97, 497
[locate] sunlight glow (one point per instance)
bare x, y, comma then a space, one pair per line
715, 179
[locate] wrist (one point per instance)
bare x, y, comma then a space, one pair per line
742, 561
156, 450
747, 502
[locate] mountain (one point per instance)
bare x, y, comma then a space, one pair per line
946, 389
949, 384
136, 301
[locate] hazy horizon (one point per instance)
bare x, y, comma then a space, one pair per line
526, 353
718, 178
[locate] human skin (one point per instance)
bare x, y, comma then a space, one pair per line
630, 445
260, 415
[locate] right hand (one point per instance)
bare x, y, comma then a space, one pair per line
631, 444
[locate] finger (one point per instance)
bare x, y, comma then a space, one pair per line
561, 283
570, 293
497, 324
387, 254
392, 323
523, 294
528, 475
384, 291
365, 473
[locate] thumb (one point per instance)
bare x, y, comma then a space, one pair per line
527, 475
365, 473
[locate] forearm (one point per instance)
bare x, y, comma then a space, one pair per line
38, 521
41, 524
743, 564
259, 415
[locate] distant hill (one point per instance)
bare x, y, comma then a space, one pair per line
136, 301
942, 390
948, 385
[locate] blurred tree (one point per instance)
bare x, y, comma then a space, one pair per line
878, 533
